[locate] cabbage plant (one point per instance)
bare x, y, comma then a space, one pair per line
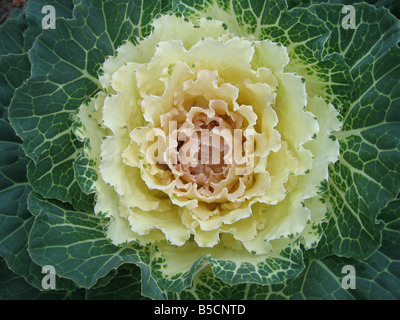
210, 149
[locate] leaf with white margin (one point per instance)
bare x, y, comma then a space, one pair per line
375, 278
231, 265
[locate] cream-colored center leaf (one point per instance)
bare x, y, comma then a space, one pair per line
200, 133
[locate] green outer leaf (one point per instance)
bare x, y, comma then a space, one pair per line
392, 5
84, 172
34, 16
58, 231
14, 69
124, 286
367, 176
74, 243
11, 33
15, 219
14, 287
376, 278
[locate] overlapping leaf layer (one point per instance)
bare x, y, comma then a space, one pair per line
46, 218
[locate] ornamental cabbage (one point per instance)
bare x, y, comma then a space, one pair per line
187, 149
201, 134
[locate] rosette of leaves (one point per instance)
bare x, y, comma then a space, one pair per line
48, 185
